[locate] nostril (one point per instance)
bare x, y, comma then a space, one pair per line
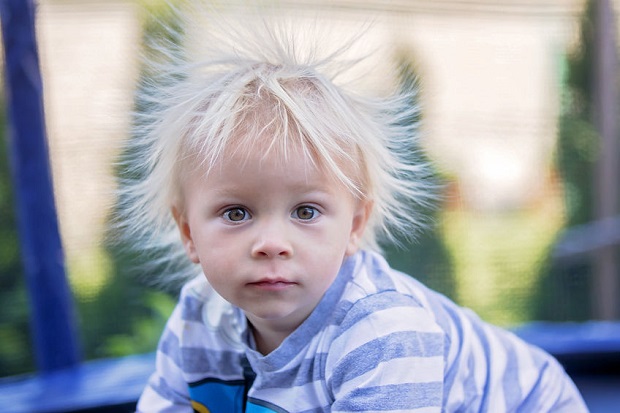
271, 250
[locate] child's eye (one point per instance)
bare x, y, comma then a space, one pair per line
305, 213
236, 214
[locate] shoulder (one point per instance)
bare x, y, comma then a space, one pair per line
201, 340
202, 331
199, 302
380, 318
378, 291
384, 326
387, 351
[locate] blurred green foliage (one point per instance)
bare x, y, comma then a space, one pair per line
564, 293
578, 144
15, 350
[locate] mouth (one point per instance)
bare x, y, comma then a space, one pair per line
272, 284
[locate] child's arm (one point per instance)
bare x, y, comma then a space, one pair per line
392, 355
166, 390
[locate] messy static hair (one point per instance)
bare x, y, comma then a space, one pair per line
258, 89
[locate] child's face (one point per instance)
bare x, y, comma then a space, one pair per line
269, 234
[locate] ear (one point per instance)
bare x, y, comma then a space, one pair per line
361, 214
186, 234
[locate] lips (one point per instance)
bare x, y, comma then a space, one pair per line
274, 284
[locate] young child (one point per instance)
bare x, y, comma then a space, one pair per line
278, 184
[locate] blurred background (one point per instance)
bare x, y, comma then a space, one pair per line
527, 225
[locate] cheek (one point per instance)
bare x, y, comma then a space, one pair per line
216, 260
344, 235
330, 252
218, 273
323, 277
216, 252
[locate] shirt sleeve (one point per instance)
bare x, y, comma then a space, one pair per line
552, 390
388, 356
166, 390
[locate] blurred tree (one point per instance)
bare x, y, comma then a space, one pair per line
565, 293
15, 341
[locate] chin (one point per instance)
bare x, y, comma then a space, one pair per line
285, 317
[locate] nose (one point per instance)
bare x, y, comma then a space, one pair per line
272, 242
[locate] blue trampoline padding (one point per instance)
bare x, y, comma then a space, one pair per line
565, 339
93, 384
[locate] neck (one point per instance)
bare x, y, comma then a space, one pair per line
267, 340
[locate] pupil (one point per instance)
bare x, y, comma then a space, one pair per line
237, 214
305, 213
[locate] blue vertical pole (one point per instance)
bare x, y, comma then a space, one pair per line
52, 316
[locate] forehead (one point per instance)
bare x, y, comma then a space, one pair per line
241, 160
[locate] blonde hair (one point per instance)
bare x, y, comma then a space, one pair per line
256, 79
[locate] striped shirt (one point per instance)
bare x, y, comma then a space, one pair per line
377, 341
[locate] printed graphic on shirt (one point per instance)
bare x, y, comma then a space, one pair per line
221, 396
217, 396
261, 406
